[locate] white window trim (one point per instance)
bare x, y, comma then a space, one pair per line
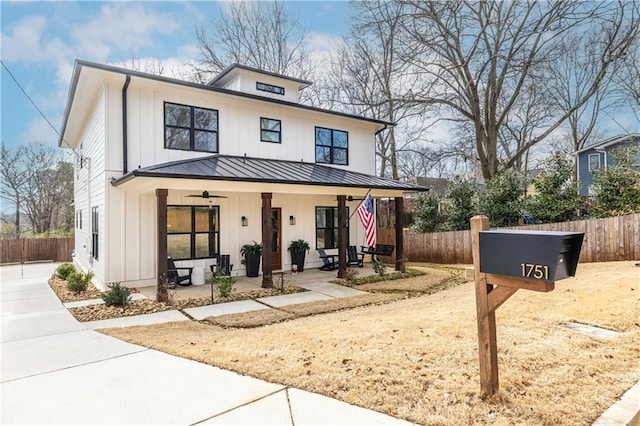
589, 162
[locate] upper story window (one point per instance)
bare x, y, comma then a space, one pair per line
332, 146
190, 128
264, 87
270, 130
594, 162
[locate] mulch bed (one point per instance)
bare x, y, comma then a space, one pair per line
142, 307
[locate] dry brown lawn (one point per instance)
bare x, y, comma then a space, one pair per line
417, 358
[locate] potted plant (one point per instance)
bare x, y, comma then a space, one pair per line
252, 253
299, 249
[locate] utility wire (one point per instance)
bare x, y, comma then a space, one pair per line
34, 104
29, 97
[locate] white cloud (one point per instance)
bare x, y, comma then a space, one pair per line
321, 43
38, 130
26, 42
120, 27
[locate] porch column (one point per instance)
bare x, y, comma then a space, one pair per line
400, 261
161, 260
267, 235
342, 236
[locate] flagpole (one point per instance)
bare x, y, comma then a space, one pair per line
356, 209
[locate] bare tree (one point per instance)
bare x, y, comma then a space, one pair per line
487, 64
13, 178
628, 80
256, 34
372, 75
38, 182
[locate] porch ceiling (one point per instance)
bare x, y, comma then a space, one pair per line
246, 174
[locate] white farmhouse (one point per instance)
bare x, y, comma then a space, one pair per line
169, 167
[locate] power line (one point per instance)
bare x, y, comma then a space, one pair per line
29, 97
35, 106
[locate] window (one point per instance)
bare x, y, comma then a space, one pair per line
270, 130
264, 87
327, 227
331, 146
190, 128
94, 232
594, 162
193, 232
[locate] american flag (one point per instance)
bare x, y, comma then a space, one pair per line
365, 211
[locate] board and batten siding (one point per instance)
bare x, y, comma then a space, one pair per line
90, 186
133, 221
238, 128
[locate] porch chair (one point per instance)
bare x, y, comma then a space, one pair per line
353, 257
223, 265
174, 278
328, 260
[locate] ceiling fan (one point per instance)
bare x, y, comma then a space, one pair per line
352, 198
205, 195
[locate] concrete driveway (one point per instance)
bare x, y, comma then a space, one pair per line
57, 371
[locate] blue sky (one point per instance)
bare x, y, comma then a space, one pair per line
41, 41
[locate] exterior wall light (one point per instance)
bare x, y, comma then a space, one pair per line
245, 221
292, 220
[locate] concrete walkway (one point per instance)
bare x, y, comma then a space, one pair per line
56, 370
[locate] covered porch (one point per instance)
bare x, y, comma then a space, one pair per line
247, 284
252, 185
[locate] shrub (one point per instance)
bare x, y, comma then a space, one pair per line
460, 204
557, 198
503, 201
78, 282
617, 187
117, 295
223, 283
64, 270
379, 267
428, 218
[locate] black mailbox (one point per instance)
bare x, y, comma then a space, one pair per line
538, 255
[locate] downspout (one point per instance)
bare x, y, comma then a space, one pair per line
375, 148
125, 168
386, 126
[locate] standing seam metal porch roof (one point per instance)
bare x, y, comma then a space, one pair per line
247, 169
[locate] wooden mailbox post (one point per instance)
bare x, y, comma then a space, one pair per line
505, 261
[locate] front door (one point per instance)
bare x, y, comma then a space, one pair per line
276, 239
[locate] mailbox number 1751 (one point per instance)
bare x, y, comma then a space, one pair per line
531, 270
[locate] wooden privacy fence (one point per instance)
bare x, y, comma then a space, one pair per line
36, 249
610, 239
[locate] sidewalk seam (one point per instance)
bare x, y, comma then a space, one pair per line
77, 365
240, 406
293, 423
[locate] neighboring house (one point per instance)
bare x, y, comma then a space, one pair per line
597, 156
438, 185
169, 167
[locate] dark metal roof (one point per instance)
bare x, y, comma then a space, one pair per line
247, 169
79, 64
232, 67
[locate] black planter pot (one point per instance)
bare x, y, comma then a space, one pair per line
252, 263
297, 258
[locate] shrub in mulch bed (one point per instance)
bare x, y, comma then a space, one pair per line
59, 287
142, 307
